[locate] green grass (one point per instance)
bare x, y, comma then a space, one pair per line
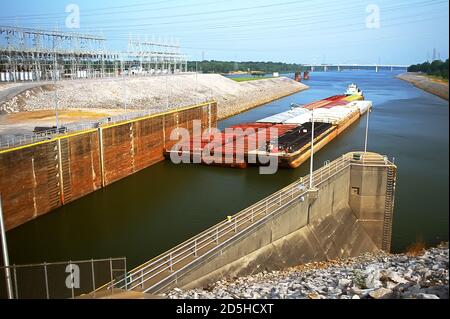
250, 79
437, 78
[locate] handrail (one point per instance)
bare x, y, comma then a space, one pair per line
214, 234
25, 139
253, 214
220, 246
337, 168
241, 216
63, 263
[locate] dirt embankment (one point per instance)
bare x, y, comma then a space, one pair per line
155, 93
427, 84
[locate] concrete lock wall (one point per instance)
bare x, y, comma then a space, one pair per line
37, 178
334, 222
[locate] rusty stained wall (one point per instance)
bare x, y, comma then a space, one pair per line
80, 160
130, 147
38, 178
29, 183
207, 114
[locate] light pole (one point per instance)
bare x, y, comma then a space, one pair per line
55, 61
5, 254
126, 94
312, 151
196, 76
367, 129
167, 90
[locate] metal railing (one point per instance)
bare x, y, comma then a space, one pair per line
24, 139
62, 280
169, 267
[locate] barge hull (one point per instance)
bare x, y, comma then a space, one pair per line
290, 144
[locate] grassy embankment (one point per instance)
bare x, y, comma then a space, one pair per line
437, 78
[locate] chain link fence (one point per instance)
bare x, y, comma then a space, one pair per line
61, 280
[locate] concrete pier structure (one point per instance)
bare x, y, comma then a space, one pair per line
348, 211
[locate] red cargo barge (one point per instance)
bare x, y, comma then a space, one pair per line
285, 137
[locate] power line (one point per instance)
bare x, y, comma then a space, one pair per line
128, 25
302, 24
204, 12
257, 29
60, 14
340, 44
262, 22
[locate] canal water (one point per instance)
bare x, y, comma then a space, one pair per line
147, 213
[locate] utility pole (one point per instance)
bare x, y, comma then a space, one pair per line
126, 94
55, 61
196, 76
5, 254
367, 130
167, 90
311, 169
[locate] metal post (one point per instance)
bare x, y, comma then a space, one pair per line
15, 282
93, 274
111, 268
54, 84
125, 274
367, 131
196, 76
126, 96
167, 91
46, 281
312, 151
209, 118
72, 277
5, 255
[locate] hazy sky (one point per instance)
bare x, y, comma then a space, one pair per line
302, 31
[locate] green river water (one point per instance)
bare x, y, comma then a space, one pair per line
145, 214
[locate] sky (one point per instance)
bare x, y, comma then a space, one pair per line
301, 31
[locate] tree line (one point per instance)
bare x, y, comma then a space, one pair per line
437, 68
232, 66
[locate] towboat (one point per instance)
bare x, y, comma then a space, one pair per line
284, 136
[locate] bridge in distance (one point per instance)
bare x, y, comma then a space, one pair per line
340, 67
